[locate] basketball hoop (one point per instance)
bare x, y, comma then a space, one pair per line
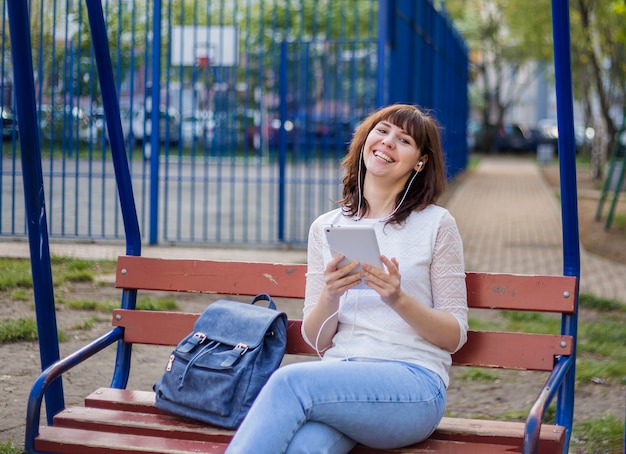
202, 62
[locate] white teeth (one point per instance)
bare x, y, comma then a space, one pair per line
383, 156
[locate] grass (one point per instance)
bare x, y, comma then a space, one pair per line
601, 357
143, 303
477, 374
18, 329
9, 448
603, 435
601, 352
16, 273
16, 284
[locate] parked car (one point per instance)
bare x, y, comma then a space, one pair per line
269, 132
471, 134
509, 137
140, 125
9, 122
324, 129
547, 132
64, 123
198, 127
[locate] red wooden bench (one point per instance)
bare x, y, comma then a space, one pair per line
116, 420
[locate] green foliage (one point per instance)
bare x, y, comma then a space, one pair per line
619, 11
87, 324
601, 353
18, 329
532, 322
619, 222
21, 294
480, 324
587, 301
477, 374
590, 369
602, 435
22, 329
154, 304
522, 414
15, 273
143, 303
91, 305
9, 448
78, 270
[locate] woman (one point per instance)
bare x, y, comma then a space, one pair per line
387, 348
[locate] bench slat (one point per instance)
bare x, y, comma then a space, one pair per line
153, 424
78, 441
229, 278
522, 351
484, 290
521, 292
122, 411
483, 348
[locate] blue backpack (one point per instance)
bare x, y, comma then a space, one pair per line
216, 371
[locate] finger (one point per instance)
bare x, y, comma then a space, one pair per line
333, 264
391, 264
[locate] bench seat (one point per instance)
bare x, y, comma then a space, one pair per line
118, 416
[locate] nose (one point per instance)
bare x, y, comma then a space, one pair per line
388, 141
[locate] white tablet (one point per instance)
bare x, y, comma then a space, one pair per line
355, 242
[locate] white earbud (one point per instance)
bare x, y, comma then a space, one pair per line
421, 163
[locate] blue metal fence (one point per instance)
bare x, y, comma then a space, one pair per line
257, 100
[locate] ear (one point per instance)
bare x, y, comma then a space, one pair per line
421, 163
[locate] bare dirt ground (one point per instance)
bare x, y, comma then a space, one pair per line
595, 238
512, 392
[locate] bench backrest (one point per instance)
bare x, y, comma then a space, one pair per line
551, 294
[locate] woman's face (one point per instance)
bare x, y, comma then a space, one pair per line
390, 151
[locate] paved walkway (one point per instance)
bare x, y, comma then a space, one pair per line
509, 218
510, 221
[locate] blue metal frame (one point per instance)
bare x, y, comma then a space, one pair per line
561, 380
19, 26
569, 198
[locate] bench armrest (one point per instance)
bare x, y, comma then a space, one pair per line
538, 410
54, 371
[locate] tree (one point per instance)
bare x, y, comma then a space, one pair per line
600, 60
506, 36
505, 57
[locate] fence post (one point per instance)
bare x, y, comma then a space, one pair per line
282, 139
155, 96
385, 40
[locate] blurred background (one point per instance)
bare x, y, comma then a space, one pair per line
258, 99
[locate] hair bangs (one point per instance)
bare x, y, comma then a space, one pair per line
410, 120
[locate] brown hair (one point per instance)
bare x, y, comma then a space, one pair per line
427, 188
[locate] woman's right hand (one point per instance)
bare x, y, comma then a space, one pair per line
339, 279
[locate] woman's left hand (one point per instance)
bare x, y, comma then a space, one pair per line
386, 283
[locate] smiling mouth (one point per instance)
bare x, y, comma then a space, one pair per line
383, 156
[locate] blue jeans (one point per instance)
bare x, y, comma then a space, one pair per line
329, 406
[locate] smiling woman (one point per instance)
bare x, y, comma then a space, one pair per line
419, 141
387, 346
